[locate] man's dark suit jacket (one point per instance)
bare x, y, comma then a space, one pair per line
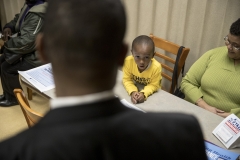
107, 130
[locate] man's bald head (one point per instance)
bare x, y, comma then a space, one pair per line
83, 31
83, 39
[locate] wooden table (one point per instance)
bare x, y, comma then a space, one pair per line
163, 101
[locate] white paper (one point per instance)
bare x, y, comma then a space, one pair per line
224, 134
40, 77
228, 131
129, 105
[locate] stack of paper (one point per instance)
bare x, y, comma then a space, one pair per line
228, 131
40, 77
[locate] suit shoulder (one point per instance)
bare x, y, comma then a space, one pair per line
159, 119
171, 116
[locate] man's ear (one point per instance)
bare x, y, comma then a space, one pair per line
40, 48
123, 54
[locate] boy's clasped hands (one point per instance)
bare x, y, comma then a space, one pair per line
137, 97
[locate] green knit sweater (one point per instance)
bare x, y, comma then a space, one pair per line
215, 78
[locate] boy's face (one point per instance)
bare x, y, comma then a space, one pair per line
142, 54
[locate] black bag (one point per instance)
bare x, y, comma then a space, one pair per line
177, 92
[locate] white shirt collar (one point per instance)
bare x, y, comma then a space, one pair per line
60, 102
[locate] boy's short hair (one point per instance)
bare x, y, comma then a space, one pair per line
143, 39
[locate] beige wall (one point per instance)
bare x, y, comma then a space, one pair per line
8, 8
197, 24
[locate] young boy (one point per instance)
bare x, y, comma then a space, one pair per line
141, 68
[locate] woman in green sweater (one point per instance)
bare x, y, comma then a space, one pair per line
213, 81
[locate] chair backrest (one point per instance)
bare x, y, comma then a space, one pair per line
172, 50
30, 115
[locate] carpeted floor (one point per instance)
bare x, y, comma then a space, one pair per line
12, 120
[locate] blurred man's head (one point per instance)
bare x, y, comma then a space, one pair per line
84, 36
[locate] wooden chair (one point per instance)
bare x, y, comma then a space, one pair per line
167, 60
31, 116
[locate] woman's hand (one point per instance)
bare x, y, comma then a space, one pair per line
224, 115
201, 103
213, 109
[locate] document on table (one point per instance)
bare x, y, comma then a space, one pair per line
215, 152
40, 77
129, 105
228, 131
